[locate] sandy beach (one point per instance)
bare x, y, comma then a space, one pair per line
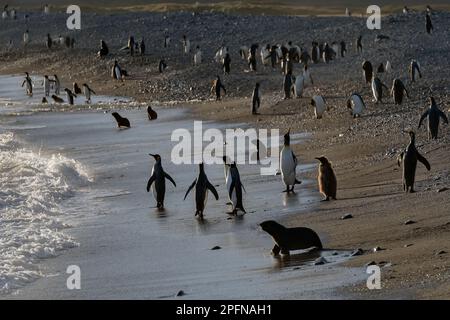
414, 257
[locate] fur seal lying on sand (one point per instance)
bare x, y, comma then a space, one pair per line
121, 122
287, 239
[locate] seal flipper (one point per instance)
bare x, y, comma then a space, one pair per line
424, 161
150, 181
212, 189
190, 188
166, 175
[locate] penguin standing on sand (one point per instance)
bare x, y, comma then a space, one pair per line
117, 72
428, 23
409, 160
103, 52
326, 179
166, 41
227, 64
87, 92
142, 47
377, 89
252, 57
359, 47
29, 84
152, 115
413, 68
186, 45
434, 114
367, 71
288, 164
157, 181
315, 52
49, 41
235, 189
287, 85
70, 95
318, 102
217, 88
356, 104
46, 85
202, 185
162, 65
299, 84
256, 98
308, 80
198, 56
343, 49
26, 38
57, 84
398, 90
76, 88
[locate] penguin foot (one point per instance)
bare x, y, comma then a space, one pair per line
325, 199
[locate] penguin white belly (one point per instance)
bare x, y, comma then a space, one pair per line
118, 73
298, 88
358, 106
307, 78
374, 91
153, 186
87, 94
335, 49
319, 106
288, 166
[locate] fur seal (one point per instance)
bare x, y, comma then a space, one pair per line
121, 122
409, 159
434, 114
202, 185
159, 177
397, 91
326, 179
289, 239
367, 71
57, 99
318, 102
152, 115
256, 98
288, 164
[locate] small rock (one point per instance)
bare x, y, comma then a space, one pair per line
216, 248
335, 253
371, 263
347, 216
442, 189
441, 252
320, 261
376, 249
180, 293
357, 252
409, 222
407, 245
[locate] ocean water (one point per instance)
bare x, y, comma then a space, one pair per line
74, 191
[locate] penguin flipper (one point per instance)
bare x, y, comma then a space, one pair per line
424, 161
424, 115
213, 190
190, 188
150, 181
232, 186
400, 158
443, 116
166, 175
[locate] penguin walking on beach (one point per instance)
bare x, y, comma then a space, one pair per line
217, 88
104, 51
256, 99
142, 47
315, 52
157, 181
198, 56
356, 104
367, 71
49, 41
398, 90
26, 38
343, 49
56, 84
288, 164
46, 85
318, 102
70, 95
117, 72
88, 92
162, 65
186, 45
76, 88
202, 185
377, 89
308, 80
166, 41
408, 159
287, 85
428, 24
226, 64
121, 122
359, 47
152, 115
434, 115
414, 67
326, 179
299, 84
235, 189
28, 84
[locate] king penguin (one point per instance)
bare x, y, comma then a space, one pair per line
159, 177
202, 185
288, 164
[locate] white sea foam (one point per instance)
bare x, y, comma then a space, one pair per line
32, 187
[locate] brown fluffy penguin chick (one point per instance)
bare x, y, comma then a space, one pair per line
326, 179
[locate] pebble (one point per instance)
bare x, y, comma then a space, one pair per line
180, 293
407, 222
441, 252
371, 263
357, 252
216, 248
347, 216
320, 261
442, 189
376, 249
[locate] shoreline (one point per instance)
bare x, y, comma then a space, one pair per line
364, 160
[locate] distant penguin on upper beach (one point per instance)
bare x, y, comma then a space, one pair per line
318, 102
217, 88
326, 179
359, 47
103, 52
162, 65
299, 85
397, 91
29, 84
377, 89
367, 71
46, 85
256, 99
49, 41
356, 104
202, 185
235, 189
434, 115
414, 67
121, 122
26, 38
186, 45
87, 92
70, 95
288, 164
428, 23
343, 49
197, 56
315, 52
76, 88
152, 115
117, 72
157, 181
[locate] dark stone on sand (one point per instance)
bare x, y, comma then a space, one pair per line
376, 249
347, 216
180, 293
441, 252
407, 245
407, 222
320, 261
371, 263
357, 252
216, 248
442, 189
